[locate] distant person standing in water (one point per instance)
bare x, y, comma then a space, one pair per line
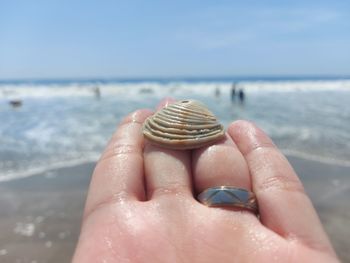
241, 95
233, 91
217, 92
97, 92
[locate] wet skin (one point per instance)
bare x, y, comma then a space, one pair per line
141, 205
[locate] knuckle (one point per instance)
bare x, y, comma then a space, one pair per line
137, 116
119, 149
281, 182
171, 190
116, 199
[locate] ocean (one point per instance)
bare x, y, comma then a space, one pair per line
65, 123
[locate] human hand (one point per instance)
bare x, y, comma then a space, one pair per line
141, 205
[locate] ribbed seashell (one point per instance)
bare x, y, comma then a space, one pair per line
186, 124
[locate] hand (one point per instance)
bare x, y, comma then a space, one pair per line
141, 205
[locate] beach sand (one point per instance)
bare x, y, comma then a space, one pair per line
40, 216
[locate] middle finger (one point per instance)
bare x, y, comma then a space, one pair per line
220, 164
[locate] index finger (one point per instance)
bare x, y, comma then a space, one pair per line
119, 172
283, 204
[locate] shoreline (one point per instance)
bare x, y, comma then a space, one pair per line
290, 154
41, 214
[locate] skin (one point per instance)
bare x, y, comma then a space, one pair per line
141, 205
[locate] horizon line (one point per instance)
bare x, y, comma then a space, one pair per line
181, 78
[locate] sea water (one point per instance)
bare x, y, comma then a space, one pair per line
65, 123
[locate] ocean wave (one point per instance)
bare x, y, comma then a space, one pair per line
49, 128
316, 158
94, 158
31, 171
134, 90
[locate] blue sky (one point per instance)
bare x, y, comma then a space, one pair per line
85, 39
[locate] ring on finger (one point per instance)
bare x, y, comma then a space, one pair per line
229, 196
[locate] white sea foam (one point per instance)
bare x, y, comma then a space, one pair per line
42, 136
93, 158
316, 158
46, 168
10, 91
24, 229
291, 86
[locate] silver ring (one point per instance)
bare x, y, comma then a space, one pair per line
228, 196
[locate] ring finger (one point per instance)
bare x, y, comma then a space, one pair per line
221, 164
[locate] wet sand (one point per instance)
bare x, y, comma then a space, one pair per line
40, 216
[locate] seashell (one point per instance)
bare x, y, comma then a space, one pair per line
186, 124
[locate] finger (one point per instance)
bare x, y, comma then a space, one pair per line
119, 172
220, 164
284, 207
166, 171
165, 102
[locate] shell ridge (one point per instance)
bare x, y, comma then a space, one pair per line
180, 120
154, 125
190, 108
171, 112
185, 114
171, 136
183, 125
188, 126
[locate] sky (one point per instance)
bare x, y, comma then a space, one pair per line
183, 38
